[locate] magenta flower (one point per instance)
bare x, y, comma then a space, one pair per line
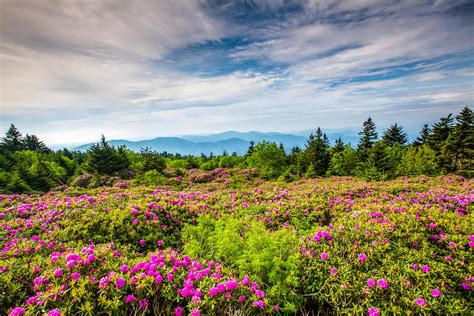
143, 304
421, 302
333, 271
276, 308
425, 268
466, 286
259, 304
54, 312
241, 298
195, 312
371, 283
373, 311
124, 268
213, 291
245, 280
130, 298
75, 275
120, 283
436, 293
142, 242
362, 257
178, 311
452, 244
382, 283
58, 272
414, 266
324, 256
17, 311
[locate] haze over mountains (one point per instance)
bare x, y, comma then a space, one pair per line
230, 141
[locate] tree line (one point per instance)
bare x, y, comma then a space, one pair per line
27, 165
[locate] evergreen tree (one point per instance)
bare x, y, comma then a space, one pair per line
424, 136
418, 160
343, 163
32, 142
151, 160
316, 152
338, 146
250, 149
395, 135
440, 132
368, 136
103, 159
459, 146
268, 159
13, 140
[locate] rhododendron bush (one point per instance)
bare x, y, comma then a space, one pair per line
335, 245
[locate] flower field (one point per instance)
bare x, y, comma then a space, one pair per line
327, 246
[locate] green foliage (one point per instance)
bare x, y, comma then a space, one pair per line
418, 161
104, 159
268, 159
316, 153
268, 257
395, 135
368, 136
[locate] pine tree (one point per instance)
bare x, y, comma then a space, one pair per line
395, 135
316, 152
424, 136
368, 138
250, 149
102, 158
13, 140
459, 146
338, 146
32, 142
440, 132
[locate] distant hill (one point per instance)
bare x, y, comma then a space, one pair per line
230, 141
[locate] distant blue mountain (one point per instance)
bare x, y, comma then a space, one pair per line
230, 141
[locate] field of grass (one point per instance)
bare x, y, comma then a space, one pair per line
327, 246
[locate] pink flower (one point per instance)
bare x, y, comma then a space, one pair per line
120, 283
371, 283
436, 293
466, 286
276, 308
362, 257
452, 244
245, 280
414, 266
382, 283
373, 311
54, 312
130, 298
143, 304
213, 291
135, 221
159, 243
333, 271
178, 311
259, 304
324, 256
421, 302
241, 298
142, 242
75, 275
124, 268
58, 272
425, 268
195, 312
17, 311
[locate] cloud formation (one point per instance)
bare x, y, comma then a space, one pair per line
71, 70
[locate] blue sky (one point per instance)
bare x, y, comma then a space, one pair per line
72, 70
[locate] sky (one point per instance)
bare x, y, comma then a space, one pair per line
72, 70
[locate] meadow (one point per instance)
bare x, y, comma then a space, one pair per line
336, 245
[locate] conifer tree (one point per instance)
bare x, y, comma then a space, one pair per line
368, 136
459, 146
338, 146
395, 135
424, 136
13, 140
32, 142
316, 152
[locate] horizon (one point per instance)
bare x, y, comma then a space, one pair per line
73, 71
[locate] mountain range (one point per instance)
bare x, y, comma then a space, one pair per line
230, 141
